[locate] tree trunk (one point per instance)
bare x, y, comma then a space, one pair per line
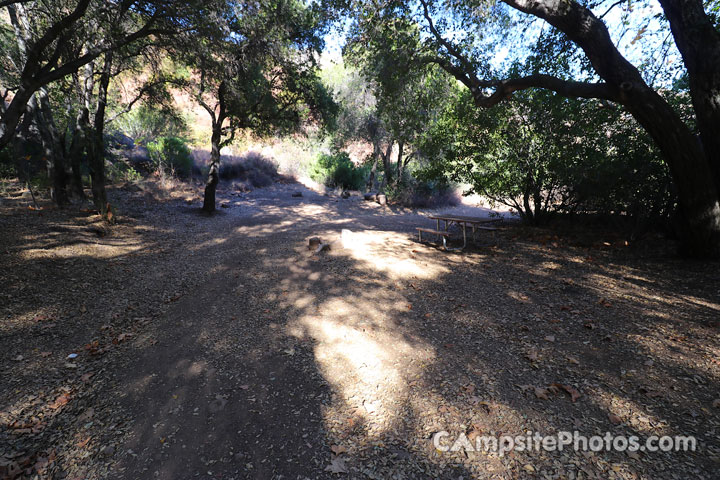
399, 167
214, 173
96, 144
386, 164
691, 172
53, 148
373, 171
20, 143
698, 41
77, 148
692, 166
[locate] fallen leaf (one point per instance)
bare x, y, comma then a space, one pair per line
338, 449
60, 401
541, 393
716, 403
550, 338
86, 415
573, 360
533, 356
614, 419
121, 338
82, 443
337, 465
574, 394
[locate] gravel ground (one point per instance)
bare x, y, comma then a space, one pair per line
178, 346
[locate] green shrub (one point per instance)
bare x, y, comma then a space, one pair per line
417, 193
122, 172
144, 124
337, 170
171, 153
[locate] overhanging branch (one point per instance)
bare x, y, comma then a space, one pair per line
566, 88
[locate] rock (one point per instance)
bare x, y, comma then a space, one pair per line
322, 247
297, 194
313, 243
382, 199
345, 194
107, 450
217, 404
370, 197
224, 205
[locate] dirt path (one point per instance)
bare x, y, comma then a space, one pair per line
249, 357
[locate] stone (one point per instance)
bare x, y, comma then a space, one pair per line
370, 197
297, 194
322, 247
313, 243
382, 199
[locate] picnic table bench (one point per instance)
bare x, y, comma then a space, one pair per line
476, 223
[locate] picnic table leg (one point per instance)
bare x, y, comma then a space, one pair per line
437, 224
464, 236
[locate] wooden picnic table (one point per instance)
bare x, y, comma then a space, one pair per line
476, 223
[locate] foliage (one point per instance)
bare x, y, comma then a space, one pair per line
146, 124
540, 153
258, 72
252, 167
120, 171
171, 154
337, 170
357, 116
418, 193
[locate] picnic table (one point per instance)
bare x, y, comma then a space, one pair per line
476, 223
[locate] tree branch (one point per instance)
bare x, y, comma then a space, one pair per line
467, 67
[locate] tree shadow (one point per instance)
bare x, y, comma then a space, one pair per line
276, 362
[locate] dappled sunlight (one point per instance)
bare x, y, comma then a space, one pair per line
90, 247
364, 356
395, 255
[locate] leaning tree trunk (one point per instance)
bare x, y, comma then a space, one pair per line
692, 164
690, 169
214, 173
698, 41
